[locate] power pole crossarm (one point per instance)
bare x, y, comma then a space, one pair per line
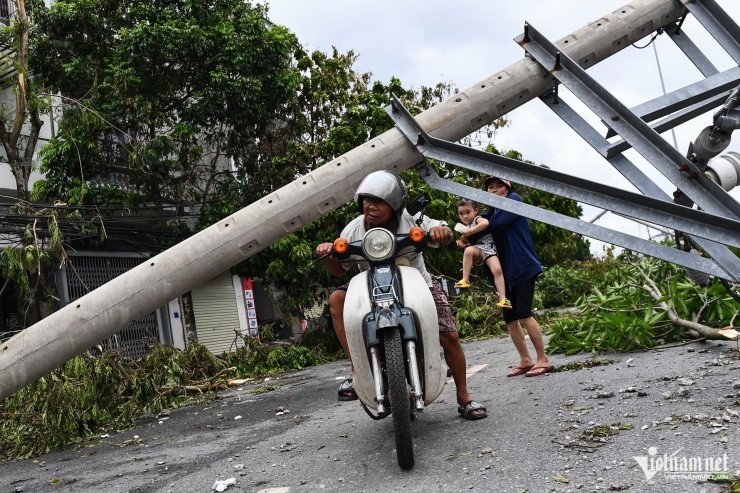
80, 325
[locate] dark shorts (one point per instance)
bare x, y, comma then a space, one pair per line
521, 297
444, 313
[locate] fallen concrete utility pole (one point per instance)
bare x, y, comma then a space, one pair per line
101, 313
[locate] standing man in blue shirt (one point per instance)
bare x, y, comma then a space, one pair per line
521, 267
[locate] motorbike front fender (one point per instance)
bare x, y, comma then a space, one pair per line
418, 298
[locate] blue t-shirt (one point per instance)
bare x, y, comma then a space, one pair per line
513, 238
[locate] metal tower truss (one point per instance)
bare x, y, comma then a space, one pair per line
713, 225
567, 186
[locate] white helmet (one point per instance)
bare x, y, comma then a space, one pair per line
384, 186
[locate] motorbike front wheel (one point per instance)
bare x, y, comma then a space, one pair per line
399, 397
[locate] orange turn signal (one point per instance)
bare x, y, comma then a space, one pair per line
416, 234
341, 245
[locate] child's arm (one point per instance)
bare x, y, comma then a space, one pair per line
480, 225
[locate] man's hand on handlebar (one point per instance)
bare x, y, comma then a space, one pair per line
324, 249
332, 262
441, 235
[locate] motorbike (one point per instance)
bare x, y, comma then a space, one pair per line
392, 332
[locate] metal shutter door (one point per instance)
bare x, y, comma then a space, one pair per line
216, 315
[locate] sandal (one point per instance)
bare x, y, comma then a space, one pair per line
347, 391
462, 284
505, 303
467, 411
519, 370
538, 370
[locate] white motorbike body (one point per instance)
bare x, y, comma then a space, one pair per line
417, 297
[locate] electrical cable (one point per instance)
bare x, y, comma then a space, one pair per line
657, 33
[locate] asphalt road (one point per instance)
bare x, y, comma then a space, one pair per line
578, 430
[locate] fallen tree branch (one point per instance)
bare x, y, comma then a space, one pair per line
206, 385
727, 334
225, 371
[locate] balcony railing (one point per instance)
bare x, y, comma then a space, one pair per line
6, 11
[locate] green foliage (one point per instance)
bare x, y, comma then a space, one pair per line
621, 315
28, 263
149, 86
92, 394
22, 264
563, 285
255, 358
477, 316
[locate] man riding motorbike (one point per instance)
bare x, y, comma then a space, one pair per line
381, 197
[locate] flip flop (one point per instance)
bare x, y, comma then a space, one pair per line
538, 370
519, 370
347, 391
469, 408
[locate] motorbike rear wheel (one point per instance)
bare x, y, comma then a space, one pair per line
399, 397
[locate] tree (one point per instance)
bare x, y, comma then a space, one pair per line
333, 110
23, 117
164, 92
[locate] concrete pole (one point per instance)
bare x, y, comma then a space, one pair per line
101, 313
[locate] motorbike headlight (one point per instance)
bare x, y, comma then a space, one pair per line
378, 244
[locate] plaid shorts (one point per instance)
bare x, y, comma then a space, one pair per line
444, 313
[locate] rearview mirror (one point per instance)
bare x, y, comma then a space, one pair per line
418, 204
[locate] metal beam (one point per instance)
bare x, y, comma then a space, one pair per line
672, 121
720, 253
652, 249
632, 205
663, 213
721, 83
694, 54
673, 165
720, 25
626, 167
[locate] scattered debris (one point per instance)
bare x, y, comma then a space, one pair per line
580, 365
561, 479
221, 485
618, 487
628, 390
263, 389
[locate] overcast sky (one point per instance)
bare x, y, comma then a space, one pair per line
463, 42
